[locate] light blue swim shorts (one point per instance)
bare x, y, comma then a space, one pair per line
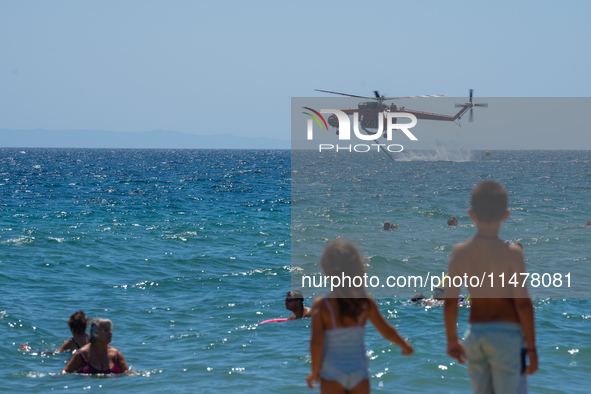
495, 358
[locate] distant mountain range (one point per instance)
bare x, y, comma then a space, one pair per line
155, 139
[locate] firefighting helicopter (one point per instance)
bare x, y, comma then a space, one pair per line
370, 110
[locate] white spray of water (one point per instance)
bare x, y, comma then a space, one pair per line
439, 152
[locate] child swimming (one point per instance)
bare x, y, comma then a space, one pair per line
339, 361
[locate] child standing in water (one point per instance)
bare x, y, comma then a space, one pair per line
339, 361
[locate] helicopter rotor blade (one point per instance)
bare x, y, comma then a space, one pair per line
344, 94
471, 106
378, 97
413, 97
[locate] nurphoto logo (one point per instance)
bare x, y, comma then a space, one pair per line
341, 120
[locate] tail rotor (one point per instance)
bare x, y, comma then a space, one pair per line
471, 106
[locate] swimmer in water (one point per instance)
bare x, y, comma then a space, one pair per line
452, 221
387, 225
98, 357
77, 323
417, 298
294, 301
437, 299
516, 243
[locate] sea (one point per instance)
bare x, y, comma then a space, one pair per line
187, 251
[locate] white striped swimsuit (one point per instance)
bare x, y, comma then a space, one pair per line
344, 358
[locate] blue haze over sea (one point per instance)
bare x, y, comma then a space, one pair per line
187, 250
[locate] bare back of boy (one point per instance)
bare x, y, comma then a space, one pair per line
496, 301
492, 262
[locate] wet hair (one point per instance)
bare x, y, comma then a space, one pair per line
296, 295
386, 225
394, 226
94, 328
417, 297
78, 322
489, 201
452, 221
341, 258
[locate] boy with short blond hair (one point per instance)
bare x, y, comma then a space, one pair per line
501, 331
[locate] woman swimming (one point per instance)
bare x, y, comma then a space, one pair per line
78, 324
339, 361
98, 357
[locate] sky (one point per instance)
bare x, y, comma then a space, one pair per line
232, 67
